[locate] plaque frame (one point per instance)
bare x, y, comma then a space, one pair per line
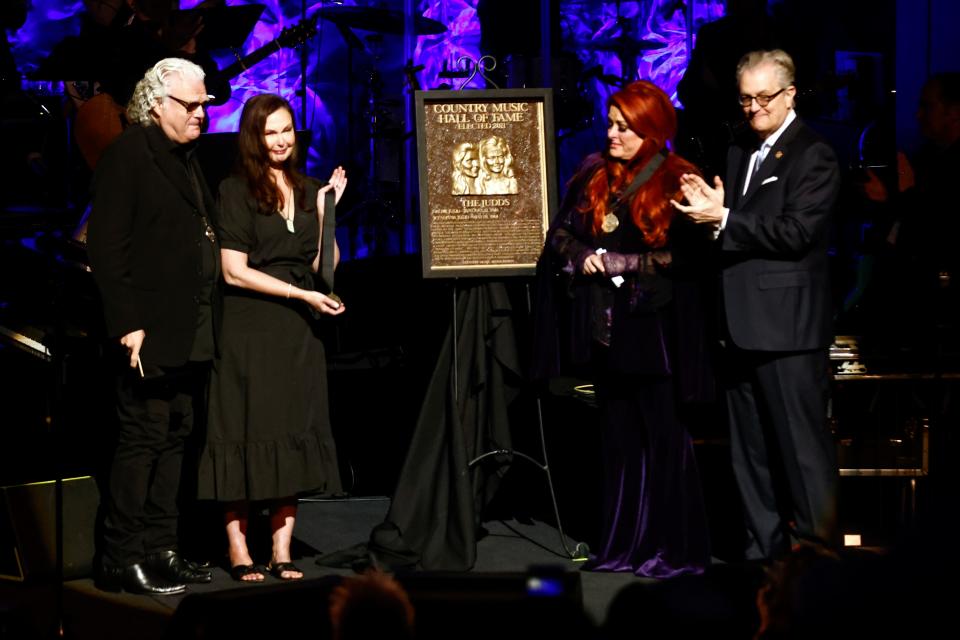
544, 171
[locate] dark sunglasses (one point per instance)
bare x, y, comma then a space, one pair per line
746, 101
192, 106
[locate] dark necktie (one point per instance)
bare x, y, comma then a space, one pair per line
760, 154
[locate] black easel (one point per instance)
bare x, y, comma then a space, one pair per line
580, 550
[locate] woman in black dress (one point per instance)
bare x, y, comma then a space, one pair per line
269, 434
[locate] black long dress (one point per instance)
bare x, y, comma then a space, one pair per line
269, 432
638, 341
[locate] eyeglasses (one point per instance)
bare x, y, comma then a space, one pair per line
192, 106
746, 101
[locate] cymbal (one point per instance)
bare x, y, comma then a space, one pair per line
621, 44
379, 20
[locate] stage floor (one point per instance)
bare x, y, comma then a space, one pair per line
324, 527
483, 603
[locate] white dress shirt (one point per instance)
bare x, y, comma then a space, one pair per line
757, 158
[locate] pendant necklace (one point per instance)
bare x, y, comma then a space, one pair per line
610, 223
283, 214
289, 222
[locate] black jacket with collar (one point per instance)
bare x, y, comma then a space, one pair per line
144, 240
776, 289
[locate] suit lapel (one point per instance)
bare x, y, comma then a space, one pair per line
171, 166
736, 174
772, 160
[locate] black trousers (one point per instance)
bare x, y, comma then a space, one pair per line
155, 417
783, 454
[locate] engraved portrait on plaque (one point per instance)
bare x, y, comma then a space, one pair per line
497, 177
487, 180
466, 168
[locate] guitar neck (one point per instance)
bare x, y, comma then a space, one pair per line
249, 60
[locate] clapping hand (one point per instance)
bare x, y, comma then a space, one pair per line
705, 203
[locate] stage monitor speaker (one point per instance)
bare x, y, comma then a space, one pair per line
28, 529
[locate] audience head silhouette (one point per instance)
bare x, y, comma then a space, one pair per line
370, 606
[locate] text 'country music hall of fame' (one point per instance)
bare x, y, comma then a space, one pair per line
484, 175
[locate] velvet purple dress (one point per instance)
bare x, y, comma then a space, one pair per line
644, 344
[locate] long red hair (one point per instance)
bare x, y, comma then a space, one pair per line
649, 113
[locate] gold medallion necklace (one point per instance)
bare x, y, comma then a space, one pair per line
610, 223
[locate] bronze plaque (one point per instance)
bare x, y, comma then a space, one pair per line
487, 183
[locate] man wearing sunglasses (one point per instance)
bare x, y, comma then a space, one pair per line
155, 258
771, 216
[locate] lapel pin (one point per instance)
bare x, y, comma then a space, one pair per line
778, 155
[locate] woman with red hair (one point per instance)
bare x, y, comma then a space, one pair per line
622, 250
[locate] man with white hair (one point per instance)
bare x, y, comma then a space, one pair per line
155, 258
771, 217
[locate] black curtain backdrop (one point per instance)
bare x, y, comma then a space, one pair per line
435, 513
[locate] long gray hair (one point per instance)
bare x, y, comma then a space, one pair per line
154, 85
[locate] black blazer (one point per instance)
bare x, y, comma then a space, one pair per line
775, 283
144, 240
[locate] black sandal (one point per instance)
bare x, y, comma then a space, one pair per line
240, 571
276, 570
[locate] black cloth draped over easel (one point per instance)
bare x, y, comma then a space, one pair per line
435, 512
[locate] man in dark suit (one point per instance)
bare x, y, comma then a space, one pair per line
775, 314
155, 258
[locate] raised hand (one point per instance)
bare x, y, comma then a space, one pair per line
338, 182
